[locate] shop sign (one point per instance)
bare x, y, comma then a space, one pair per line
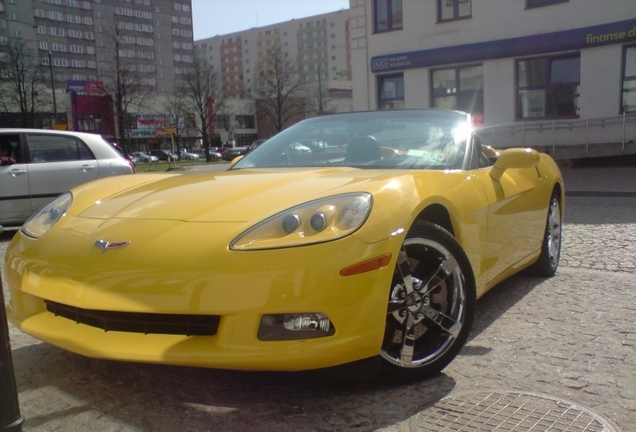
567, 40
142, 133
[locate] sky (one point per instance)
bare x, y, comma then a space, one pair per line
219, 17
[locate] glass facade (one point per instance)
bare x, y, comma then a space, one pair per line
548, 87
459, 88
628, 103
391, 91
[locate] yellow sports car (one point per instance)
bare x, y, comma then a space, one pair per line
348, 238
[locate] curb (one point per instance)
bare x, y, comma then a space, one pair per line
607, 194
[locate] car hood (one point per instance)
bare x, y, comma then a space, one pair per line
230, 196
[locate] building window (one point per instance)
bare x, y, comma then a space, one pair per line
460, 88
391, 91
388, 15
539, 3
450, 10
548, 87
629, 79
244, 121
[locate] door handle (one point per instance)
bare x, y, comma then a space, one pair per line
87, 168
16, 172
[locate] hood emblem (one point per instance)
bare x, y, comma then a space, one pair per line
104, 245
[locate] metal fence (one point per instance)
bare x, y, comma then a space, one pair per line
585, 134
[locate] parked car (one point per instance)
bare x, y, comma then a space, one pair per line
185, 155
47, 164
216, 153
162, 155
256, 144
374, 253
232, 152
145, 157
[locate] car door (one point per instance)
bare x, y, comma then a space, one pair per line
515, 217
58, 163
15, 201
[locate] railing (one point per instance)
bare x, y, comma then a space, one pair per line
555, 134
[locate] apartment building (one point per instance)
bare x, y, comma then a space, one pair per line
316, 45
527, 70
74, 40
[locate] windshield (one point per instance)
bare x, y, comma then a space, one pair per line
414, 139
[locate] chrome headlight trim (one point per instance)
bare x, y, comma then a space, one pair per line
340, 216
42, 221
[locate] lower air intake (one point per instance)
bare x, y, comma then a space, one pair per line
146, 323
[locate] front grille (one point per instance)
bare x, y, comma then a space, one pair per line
146, 323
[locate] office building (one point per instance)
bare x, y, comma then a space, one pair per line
317, 46
531, 72
75, 40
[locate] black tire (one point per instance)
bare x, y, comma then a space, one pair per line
431, 304
548, 262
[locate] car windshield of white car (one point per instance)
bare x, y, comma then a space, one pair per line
400, 139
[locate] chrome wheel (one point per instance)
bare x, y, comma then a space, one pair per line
548, 261
431, 304
553, 233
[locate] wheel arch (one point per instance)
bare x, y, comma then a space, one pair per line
437, 214
558, 190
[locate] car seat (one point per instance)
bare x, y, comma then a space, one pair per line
363, 148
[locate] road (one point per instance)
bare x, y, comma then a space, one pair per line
566, 342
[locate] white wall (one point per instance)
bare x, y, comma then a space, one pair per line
417, 83
499, 91
601, 84
359, 29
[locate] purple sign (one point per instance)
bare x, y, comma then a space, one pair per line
587, 37
76, 86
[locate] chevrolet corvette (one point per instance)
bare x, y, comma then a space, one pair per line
345, 238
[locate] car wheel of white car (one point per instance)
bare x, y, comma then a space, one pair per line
431, 304
548, 261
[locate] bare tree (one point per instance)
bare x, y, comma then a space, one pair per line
204, 96
279, 96
175, 107
123, 82
23, 87
324, 99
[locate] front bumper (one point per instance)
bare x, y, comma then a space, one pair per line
239, 287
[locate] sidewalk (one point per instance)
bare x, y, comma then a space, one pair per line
605, 181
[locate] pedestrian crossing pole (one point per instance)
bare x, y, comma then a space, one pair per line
10, 418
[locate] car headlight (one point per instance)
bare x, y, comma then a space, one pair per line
38, 224
317, 221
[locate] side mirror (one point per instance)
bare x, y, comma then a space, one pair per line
514, 158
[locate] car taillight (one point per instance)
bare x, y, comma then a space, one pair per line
131, 165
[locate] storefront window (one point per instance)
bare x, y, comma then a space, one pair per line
548, 87
89, 122
629, 79
460, 88
388, 15
449, 10
391, 91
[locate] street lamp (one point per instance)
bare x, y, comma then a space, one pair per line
53, 87
10, 418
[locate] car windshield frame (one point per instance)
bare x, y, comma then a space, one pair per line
391, 139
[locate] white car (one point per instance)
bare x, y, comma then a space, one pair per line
145, 157
188, 156
47, 163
